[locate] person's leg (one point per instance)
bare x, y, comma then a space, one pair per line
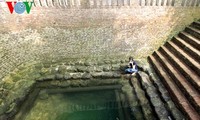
134, 70
133, 74
128, 71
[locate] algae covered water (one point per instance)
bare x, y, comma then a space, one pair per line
90, 105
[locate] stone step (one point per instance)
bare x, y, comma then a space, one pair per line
132, 101
27, 105
190, 39
193, 31
146, 108
161, 89
188, 90
125, 107
153, 96
183, 68
196, 24
176, 93
187, 47
121, 115
193, 64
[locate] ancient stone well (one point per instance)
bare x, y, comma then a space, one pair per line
138, 96
64, 45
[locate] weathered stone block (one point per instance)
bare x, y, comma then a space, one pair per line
115, 67
86, 76
49, 77
81, 68
59, 76
67, 76
76, 75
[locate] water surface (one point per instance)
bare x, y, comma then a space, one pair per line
91, 105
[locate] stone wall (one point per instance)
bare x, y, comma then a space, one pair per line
55, 33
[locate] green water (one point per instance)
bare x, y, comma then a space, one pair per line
95, 105
89, 115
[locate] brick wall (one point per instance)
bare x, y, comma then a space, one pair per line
53, 33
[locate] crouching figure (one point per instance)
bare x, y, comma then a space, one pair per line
132, 67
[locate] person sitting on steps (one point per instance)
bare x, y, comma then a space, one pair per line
132, 67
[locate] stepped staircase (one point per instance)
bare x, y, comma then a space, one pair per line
177, 63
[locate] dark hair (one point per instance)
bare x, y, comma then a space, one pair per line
130, 58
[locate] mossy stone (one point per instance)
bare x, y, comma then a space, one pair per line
8, 85
76, 75
59, 76
81, 68
100, 63
49, 77
115, 67
86, 76
67, 76
34, 74
46, 65
43, 95
44, 71
11, 107
15, 77
88, 63
38, 66
2, 109
107, 62
62, 69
